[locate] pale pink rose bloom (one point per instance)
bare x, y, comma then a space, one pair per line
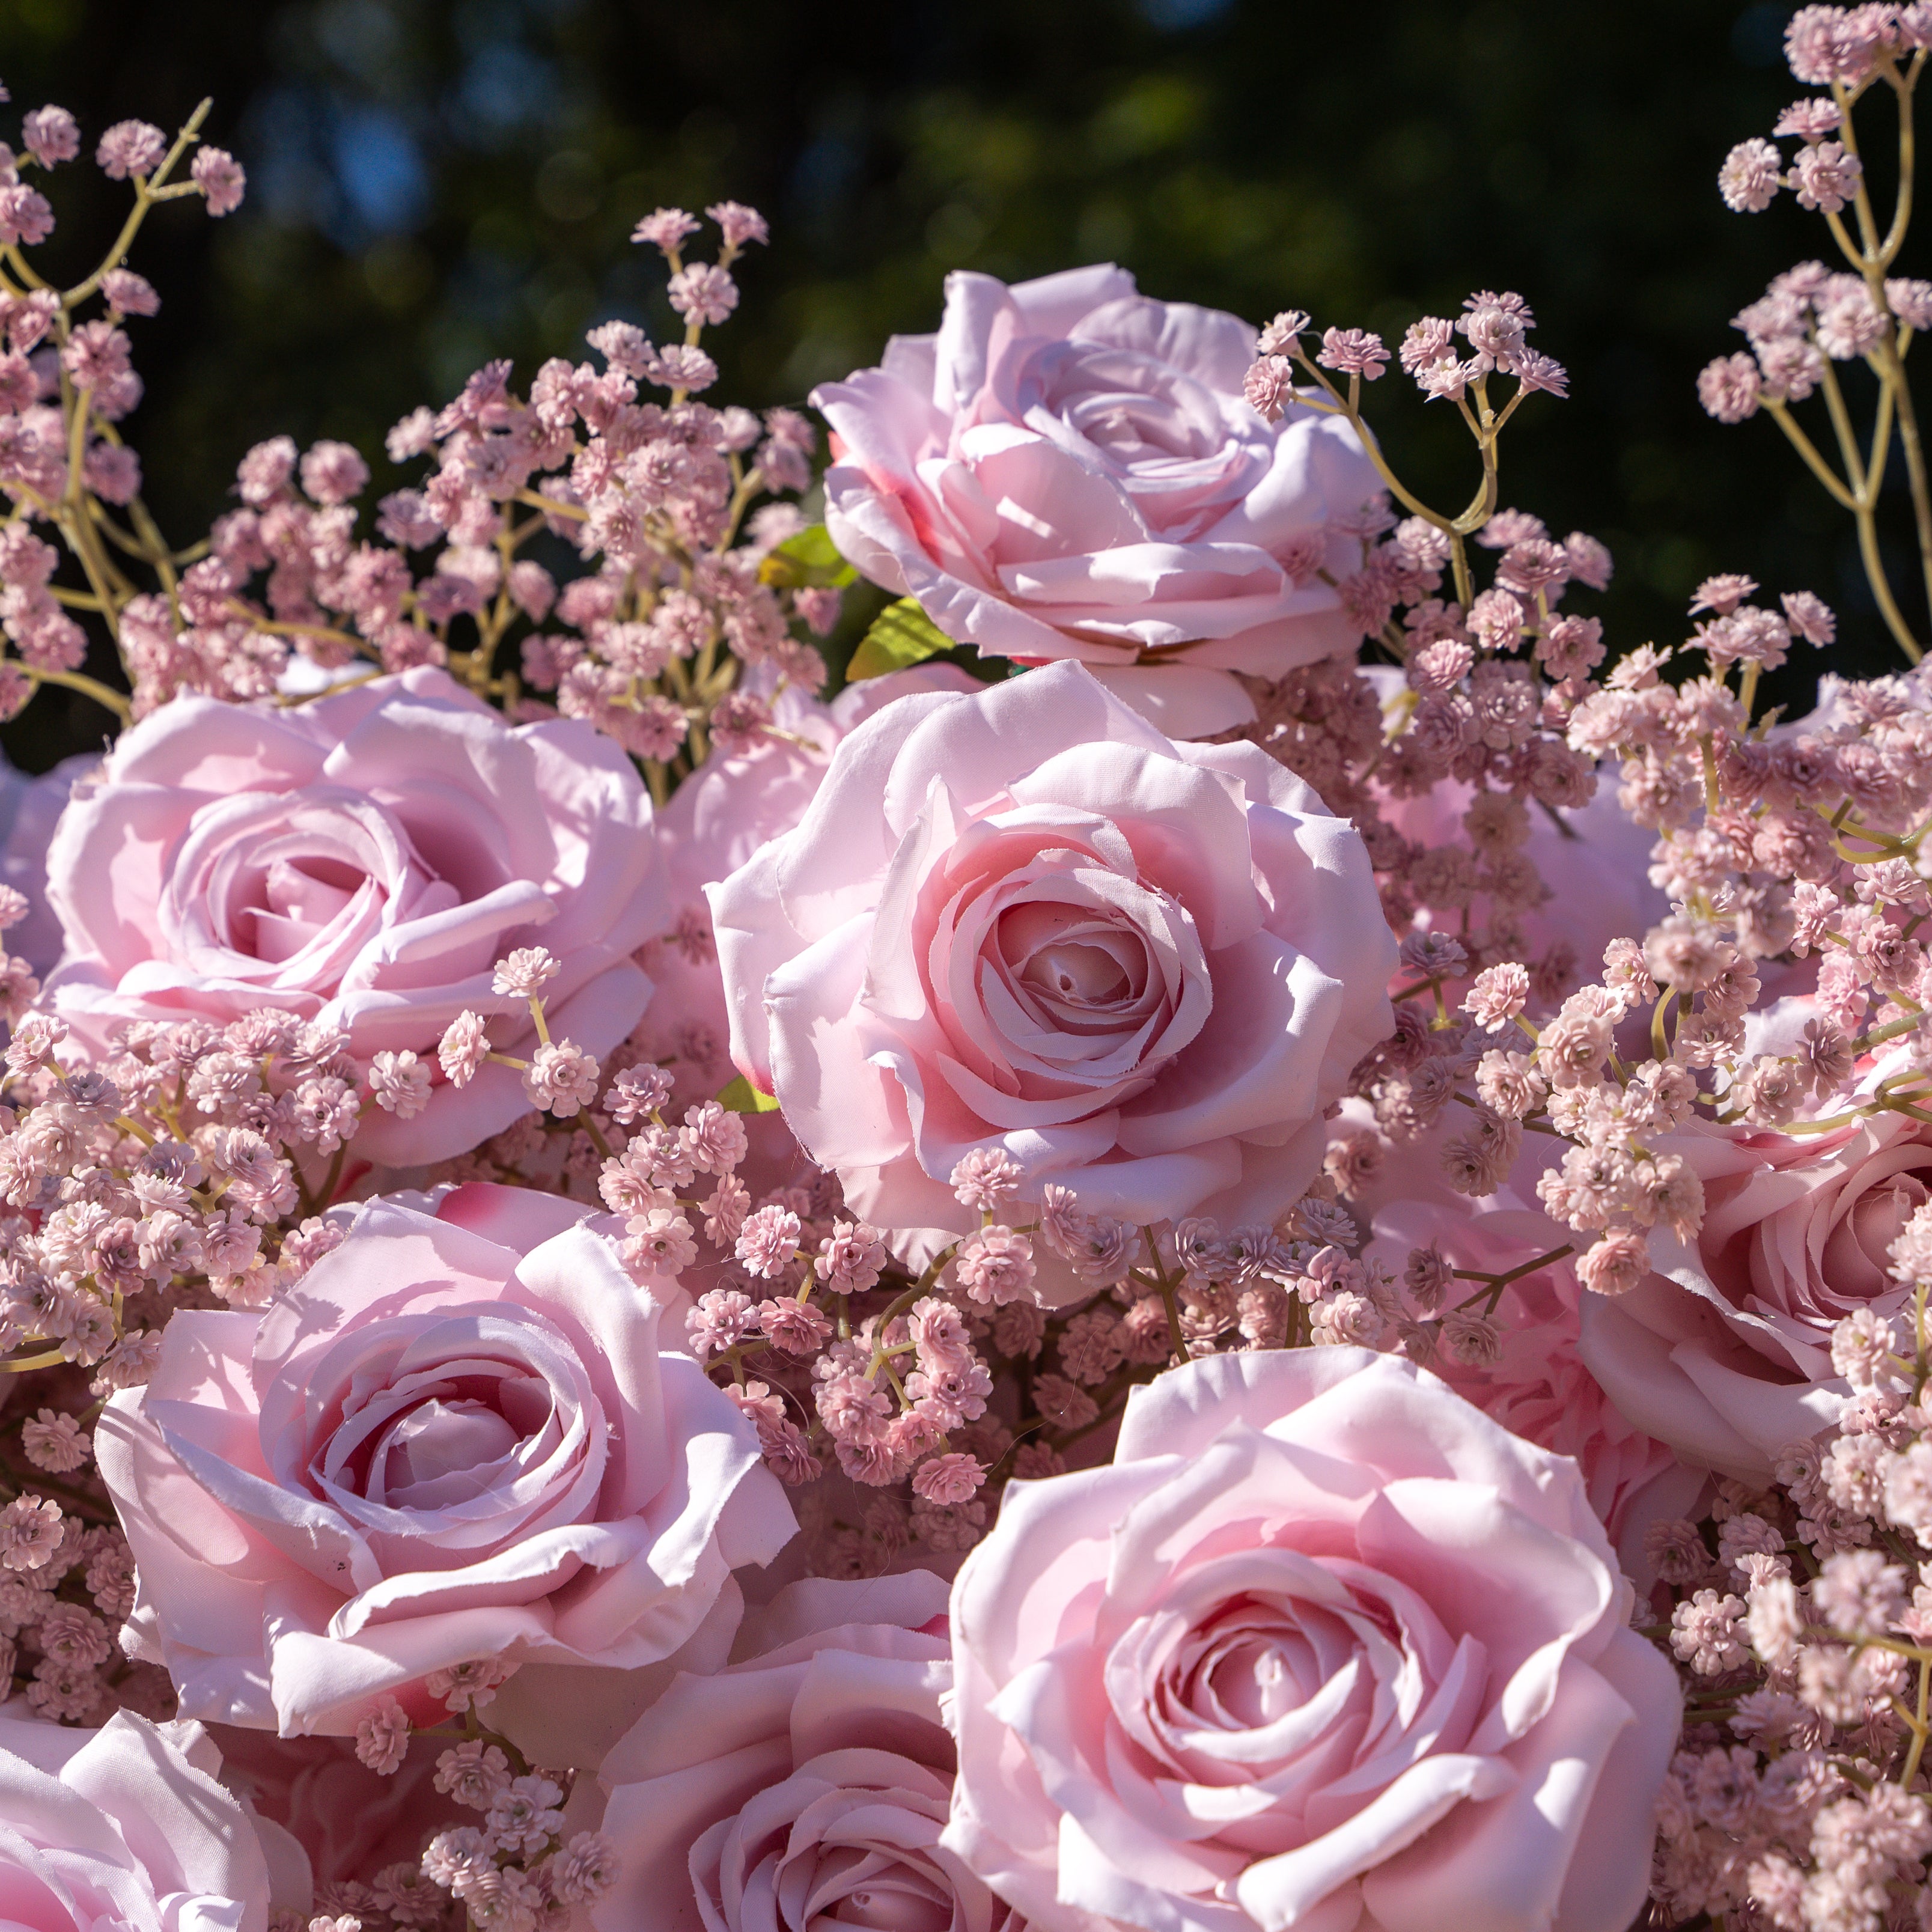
1538, 1388
461, 1436
128, 1829
806, 1785
1725, 1351
1025, 919
362, 861
1325, 1647
1069, 470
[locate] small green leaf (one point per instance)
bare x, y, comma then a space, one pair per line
808, 561
902, 635
742, 1097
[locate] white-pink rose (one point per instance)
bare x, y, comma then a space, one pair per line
1025, 919
1538, 1387
362, 861
126, 1829
806, 1787
1324, 1647
1725, 1351
460, 1436
1069, 469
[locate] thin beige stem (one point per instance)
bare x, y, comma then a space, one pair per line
146, 194
1781, 415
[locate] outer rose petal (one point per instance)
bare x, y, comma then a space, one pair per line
127, 1826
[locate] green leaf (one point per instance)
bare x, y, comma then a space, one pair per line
902, 635
742, 1097
808, 561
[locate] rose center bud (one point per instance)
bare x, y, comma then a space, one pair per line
299, 898
1134, 410
441, 1439
1255, 1682
885, 1898
1083, 973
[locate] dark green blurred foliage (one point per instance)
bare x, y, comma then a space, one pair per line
433, 182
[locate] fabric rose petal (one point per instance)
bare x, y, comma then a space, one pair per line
1323, 1648
1069, 470
804, 1787
362, 861
716, 820
1725, 1351
1025, 919
126, 1829
457, 1437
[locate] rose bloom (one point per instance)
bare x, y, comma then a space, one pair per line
363, 861
1025, 919
805, 1786
126, 1829
458, 1436
1538, 1388
1325, 1647
1725, 1351
1069, 469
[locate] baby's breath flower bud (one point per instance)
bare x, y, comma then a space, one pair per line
464, 1047
524, 974
399, 1083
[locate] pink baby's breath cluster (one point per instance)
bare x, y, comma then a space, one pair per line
1811, 318
67, 379
1801, 1613
678, 600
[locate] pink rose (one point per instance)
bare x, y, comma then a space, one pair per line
126, 1829
458, 1436
804, 1787
362, 861
1025, 919
1725, 1351
1538, 1387
1068, 469
1325, 1647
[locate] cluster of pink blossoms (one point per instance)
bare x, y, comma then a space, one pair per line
1800, 1612
679, 634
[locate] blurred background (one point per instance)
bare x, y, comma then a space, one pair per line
435, 182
